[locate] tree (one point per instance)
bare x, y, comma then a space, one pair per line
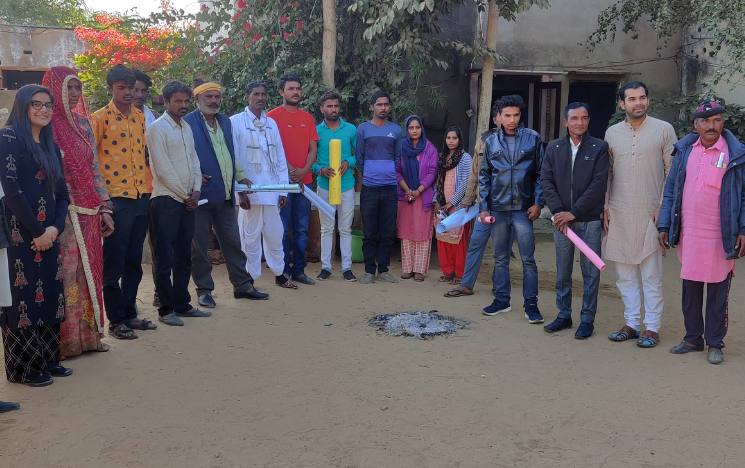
329, 43
62, 13
724, 20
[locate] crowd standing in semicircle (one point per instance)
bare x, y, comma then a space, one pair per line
81, 191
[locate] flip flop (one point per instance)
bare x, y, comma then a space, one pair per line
446, 278
287, 284
418, 277
458, 293
456, 280
104, 348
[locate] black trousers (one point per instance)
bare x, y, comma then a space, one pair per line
122, 258
171, 230
379, 209
717, 304
29, 352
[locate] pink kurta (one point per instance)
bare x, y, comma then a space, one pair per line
700, 249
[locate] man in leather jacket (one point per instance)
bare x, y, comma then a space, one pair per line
510, 190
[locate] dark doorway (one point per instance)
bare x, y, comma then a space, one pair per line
602, 99
14, 79
505, 85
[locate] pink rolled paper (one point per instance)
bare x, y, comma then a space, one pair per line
489, 219
585, 249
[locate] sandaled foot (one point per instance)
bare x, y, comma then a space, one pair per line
649, 339
407, 276
459, 291
418, 277
102, 348
287, 284
122, 332
626, 333
456, 280
62, 358
446, 278
142, 324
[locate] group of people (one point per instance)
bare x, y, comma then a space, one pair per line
81, 191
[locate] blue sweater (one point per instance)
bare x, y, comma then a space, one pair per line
376, 152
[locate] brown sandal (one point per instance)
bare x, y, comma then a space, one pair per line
418, 277
456, 280
446, 278
407, 276
287, 284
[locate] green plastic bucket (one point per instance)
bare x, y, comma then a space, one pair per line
357, 256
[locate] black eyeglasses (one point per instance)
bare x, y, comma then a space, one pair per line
38, 105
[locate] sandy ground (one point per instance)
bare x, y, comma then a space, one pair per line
267, 384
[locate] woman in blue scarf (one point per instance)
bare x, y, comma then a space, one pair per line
416, 171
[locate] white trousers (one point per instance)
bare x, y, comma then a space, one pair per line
628, 284
262, 224
345, 213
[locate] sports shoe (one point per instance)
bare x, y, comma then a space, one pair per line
558, 324
533, 314
385, 276
323, 275
497, 307
349, 276
368, 278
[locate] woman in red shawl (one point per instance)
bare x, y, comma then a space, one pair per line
89, 216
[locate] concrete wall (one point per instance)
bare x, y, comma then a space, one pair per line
49, 47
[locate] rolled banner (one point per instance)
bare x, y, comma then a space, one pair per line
585, 249
284, 188
334, 163
322, 206
488, 220
457, 219
202, 202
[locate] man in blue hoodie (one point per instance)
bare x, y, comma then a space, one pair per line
213, 140
703, 214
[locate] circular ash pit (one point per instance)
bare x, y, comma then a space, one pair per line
420, 325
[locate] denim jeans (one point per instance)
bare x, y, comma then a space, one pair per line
171, 233
295, 216
122, 258
502, 235
379, 209
590, 233
475, 255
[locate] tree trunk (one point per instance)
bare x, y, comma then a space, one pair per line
329, 43
487, 74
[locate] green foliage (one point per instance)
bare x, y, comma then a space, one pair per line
61, 13
725, 21
682, 105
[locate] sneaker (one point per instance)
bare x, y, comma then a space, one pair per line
497, 307
368, 278
171, 319
205, 300
349, 276
533, 314
323, 275
385, 276
558, 324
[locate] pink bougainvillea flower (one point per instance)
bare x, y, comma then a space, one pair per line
204, 7
242, 4
287, 35
284, 19
236, 16
228, 42
293, 4
247, 25
256, 38
209, 61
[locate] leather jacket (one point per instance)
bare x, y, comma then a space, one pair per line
511, 183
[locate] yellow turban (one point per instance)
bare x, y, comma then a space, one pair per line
204, 87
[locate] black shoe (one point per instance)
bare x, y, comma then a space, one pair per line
349, 276
194, 313
206, 300
40, 381
156, 300
558, 324
59, 371
252, 294
584, 330
323, 275
5, 406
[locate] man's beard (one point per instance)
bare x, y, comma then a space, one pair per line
207, 110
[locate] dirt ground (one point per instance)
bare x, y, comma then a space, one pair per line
266, 384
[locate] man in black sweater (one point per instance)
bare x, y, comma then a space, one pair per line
574, 178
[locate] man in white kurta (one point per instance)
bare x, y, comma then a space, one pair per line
640, 151
259, 151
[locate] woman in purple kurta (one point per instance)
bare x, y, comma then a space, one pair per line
415, 172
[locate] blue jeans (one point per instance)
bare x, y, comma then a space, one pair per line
590, 233
295, 216
502, 235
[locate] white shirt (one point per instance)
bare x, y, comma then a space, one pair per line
241, 124
173, 159
575, 149
149, 116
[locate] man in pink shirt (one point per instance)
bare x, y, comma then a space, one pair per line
703, 214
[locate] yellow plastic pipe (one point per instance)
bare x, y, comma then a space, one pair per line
334, 163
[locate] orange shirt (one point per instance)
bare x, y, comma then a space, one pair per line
121, 151
297, 130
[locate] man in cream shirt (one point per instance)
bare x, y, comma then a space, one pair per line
177, 181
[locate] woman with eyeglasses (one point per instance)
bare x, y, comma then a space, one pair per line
89, 216
35, 205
